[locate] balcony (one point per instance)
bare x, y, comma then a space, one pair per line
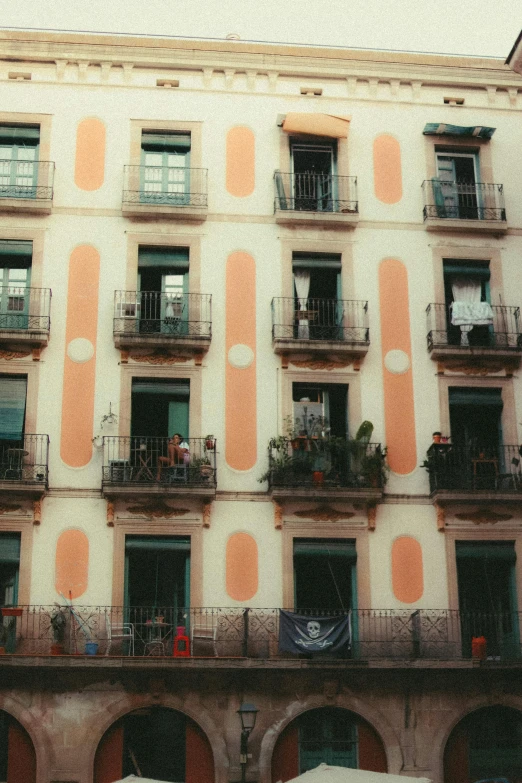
500, 340
464, 206
164, 191
315, 467
24, 465
322, 326
316, 199
433, 637
25, 316
135, 465
26, 186
152, 319
472, 474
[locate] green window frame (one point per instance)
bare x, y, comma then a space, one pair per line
165, 168
19, 147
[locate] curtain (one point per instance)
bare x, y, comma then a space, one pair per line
302, 287
467, 310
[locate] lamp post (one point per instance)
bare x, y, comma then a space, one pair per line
248, 714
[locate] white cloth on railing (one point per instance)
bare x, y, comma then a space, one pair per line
467, 310
302, 287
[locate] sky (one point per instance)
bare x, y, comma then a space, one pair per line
476, 27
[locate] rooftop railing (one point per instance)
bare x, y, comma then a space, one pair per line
504, 333
233, 632
135, 460
165, 186
496, 469
153, 312
447, 200
314, 319
313, 192
25, 460
325, 462
27, 179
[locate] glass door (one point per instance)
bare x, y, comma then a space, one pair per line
313, 177
174, 304
18, 171
14, 298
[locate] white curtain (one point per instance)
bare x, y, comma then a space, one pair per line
302, 287
467, 310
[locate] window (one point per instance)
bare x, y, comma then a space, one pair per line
321, 409
475, 419
318, 299
487, 596
313, 169
9, 568
468, 303
17, 307
325, 575
163, 290
455, 187
165, 168
160, 407
327, 736
19, 146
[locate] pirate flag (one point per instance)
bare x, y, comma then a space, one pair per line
304, 634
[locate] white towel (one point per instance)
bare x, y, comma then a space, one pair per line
471, 314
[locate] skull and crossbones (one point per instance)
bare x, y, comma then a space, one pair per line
314, 629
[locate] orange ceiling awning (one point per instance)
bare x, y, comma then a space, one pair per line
333, 126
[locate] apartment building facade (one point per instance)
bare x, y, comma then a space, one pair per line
260, 345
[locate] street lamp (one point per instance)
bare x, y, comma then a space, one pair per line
248, 714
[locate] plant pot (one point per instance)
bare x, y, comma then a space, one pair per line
56, 648
210, 445
318, 476
206, 471
91, 648
11, 611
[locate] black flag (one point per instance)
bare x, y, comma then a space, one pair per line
305, 634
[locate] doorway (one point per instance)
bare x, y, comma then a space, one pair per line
313, 167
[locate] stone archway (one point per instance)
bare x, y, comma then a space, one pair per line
154, 741
335, 735
17, 752
486, 742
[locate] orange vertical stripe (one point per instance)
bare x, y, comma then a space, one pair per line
240, 403
79, 378
398, 389
240, 177
407, 570
89, 168
72, 563
387, 171
242, 567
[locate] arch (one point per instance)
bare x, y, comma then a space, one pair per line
441, 736
116, 710
463, 763
353, 704
20, 753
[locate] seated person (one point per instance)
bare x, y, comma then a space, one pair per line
176, 454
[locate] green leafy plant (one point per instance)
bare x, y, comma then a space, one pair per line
58, 622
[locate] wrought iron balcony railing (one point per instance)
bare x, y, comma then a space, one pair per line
136, 460
503, 334
312, 192
313, 319
165, 186
231, 632
458, 200
153, 312
316, 462
25, 461
495, 469
27, 309
27, 179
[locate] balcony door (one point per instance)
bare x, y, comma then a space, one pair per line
313, 166
458, 174
318, 309
9, 568
487, 596
19, 161
160, 407
163, 282
466, 283
165, 168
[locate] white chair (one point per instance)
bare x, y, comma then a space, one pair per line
119, 631
204, 636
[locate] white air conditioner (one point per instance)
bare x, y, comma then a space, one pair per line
127, 316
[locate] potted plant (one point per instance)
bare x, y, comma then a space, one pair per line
203, 465
210, 442
58, 622
6, 630
374, 468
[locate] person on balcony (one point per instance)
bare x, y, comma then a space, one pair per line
177, 454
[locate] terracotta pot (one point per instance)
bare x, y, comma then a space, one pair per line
210, 445
318, 476
56, 648
11, 611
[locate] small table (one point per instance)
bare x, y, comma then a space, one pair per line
157, 636
144, 466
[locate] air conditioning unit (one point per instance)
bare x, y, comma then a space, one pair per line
127, 316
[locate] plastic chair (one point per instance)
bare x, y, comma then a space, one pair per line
174, 474
123, 631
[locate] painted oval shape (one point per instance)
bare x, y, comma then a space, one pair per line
240, 381
399, 412
241, 160
79, 377
242, 567
89, 167
407, 570
387, 169
72, 564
